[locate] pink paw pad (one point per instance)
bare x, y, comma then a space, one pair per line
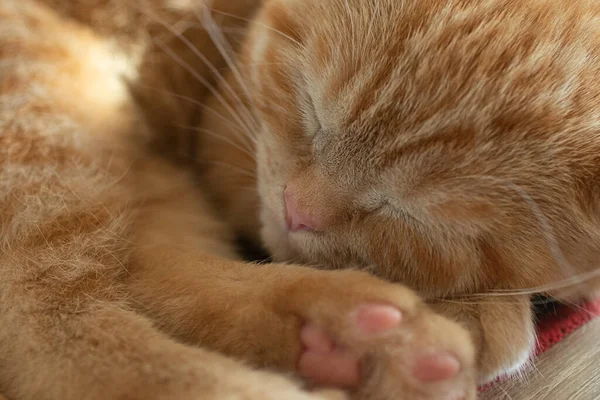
322, 363
436, 366
377, 318
325, 363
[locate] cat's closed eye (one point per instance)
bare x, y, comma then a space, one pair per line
390, 208
377, 202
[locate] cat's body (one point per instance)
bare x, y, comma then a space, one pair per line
117, 279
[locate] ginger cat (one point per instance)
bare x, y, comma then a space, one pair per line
437, 144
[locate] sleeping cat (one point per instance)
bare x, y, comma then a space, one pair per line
438, 148
433, 143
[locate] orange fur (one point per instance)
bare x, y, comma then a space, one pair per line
417, 145
114, 266
439, 150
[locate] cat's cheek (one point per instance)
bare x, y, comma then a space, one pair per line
272, 233
272, 208
270, 189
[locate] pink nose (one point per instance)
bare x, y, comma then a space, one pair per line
295, 220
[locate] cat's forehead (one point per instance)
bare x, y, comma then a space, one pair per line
351, 58
432, 66
411, 75
354, 58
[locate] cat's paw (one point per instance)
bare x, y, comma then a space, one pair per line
379, 341
502, 327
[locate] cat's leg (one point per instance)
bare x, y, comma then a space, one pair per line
68, 202
67, 329
86, 346
335, 328
502, 328
342, 328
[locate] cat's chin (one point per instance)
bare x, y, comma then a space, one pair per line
287, 247
284, 247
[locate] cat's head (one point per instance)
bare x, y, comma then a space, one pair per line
426, 139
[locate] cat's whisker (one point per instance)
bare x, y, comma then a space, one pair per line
252, 21
547, 230
578, 307
564, 284
475, 299
191, 70
545, 227
237, 130
204, 82
222, 138
225, 49
250, 123
218, 42
260, 64
229, 30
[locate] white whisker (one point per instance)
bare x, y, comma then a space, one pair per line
220, 42
572, 278
259, 24
204, 82
222, 138
234, 126
249, 118
195, 74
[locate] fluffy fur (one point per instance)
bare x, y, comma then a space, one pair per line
438, 151
450, 146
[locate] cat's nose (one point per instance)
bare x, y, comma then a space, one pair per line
295, 219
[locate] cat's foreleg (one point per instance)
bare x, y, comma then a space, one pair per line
69, 202
335, 328
502, 328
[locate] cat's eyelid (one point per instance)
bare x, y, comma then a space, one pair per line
402, 213
386, 204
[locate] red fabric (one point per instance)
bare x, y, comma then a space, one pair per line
555, 325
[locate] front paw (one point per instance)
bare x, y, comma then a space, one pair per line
502, 329
377, 339
508, 337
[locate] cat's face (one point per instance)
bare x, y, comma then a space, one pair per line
408, 136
